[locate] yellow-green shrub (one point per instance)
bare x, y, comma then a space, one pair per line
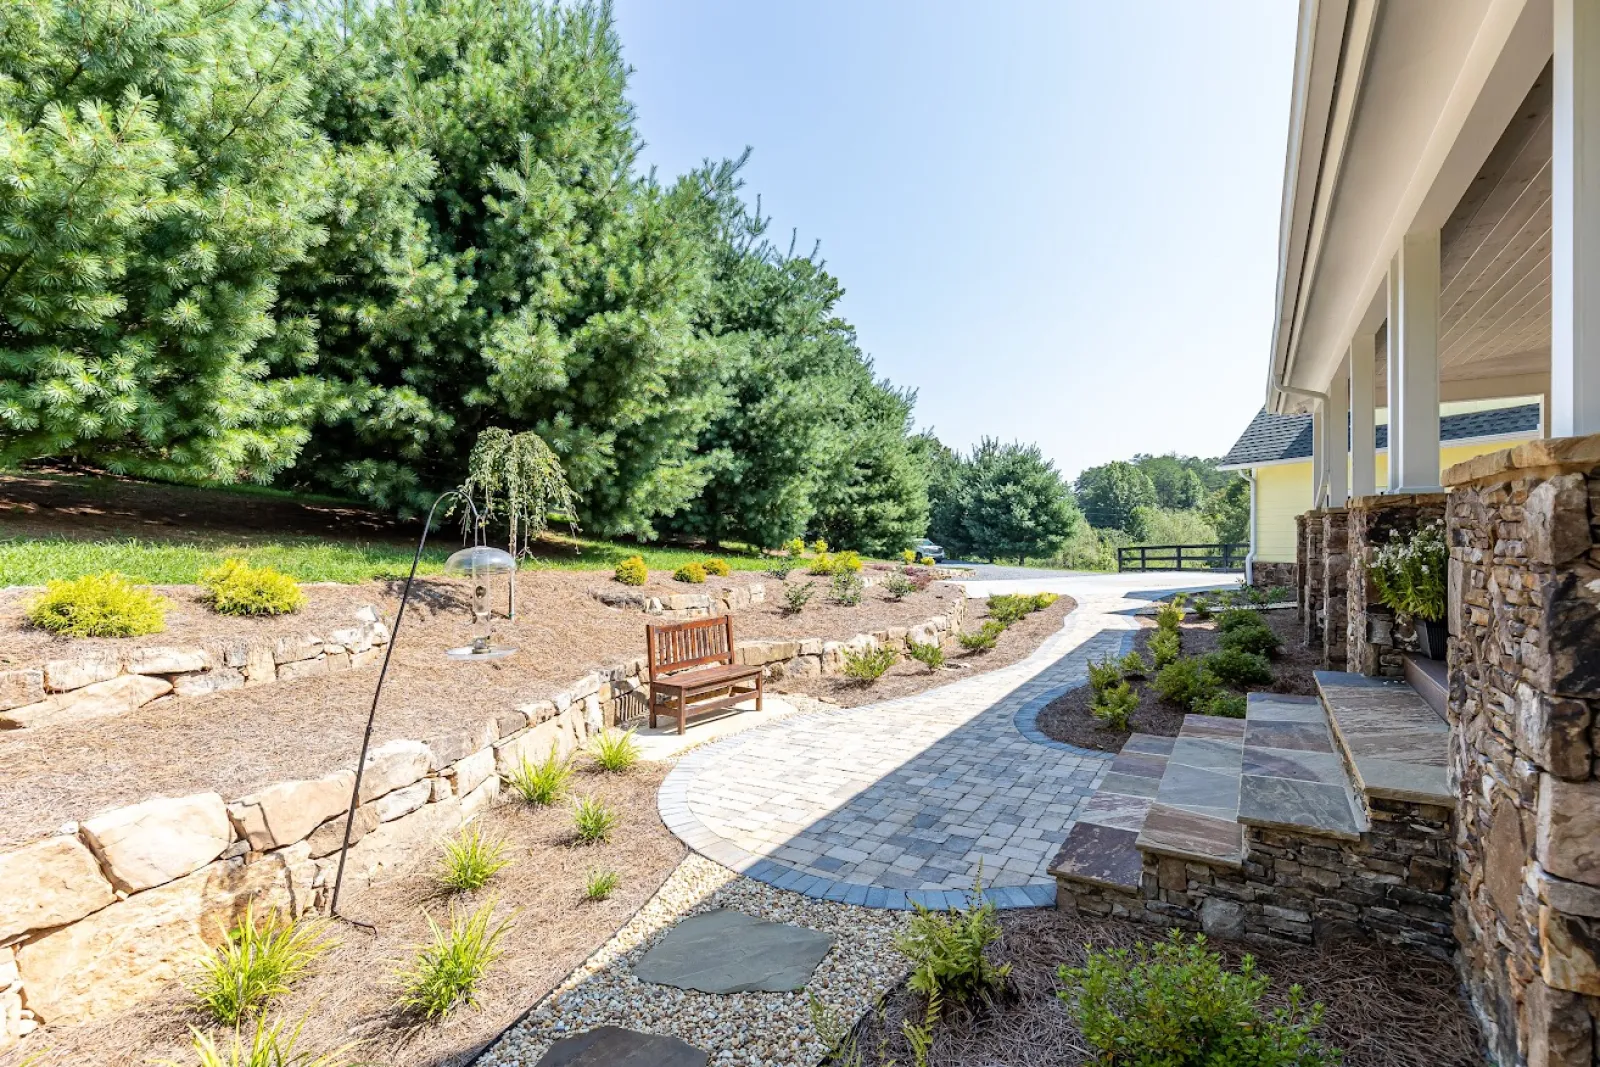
719, 567
823, 564
693, 573
236, 588
927, 561
795, 547
909, 555
632, 571
820, 547
847, 561
98, 605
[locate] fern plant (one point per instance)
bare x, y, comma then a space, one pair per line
947, 950
1104, 674
1114, 707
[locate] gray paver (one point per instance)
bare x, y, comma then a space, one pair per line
613, 1046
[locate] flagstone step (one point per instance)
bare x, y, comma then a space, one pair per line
1291, 777
1431, 681
1099, 849
1395, 745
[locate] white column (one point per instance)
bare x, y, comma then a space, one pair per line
1363, 456
1414, 414
1392, 370
1338, 423
1319, 453
1575, 222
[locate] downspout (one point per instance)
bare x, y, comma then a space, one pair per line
1250, 557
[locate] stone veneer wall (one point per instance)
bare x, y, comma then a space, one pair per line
1391, 886
1335, 587
1377, 641
1311, 588
105, 912
1300, 565
1265, 574
1524, 668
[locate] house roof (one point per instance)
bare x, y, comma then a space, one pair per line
1276, 438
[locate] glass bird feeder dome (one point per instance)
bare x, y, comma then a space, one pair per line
478, 563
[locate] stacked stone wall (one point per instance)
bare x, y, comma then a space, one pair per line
1335, 587
1311, 578
1524, 671
1377, 641
1300, 576
1266, 574
158, 881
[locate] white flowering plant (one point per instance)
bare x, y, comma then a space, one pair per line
1410, 572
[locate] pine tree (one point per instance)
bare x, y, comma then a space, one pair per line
1014, 503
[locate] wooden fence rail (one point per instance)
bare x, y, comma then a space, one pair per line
1222, 557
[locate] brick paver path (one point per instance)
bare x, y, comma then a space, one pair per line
899, 802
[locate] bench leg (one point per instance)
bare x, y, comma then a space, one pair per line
758, 692
651, 698
683, 713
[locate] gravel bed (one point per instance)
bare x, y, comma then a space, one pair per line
754, 1029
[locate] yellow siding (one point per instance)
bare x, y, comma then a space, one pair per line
1284, 491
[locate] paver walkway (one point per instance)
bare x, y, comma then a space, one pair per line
899, 802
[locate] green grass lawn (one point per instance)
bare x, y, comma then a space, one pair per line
34, 561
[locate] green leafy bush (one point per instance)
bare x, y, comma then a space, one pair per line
447, 970
236, 588
1259, 639
1103, 674
1133, 665
898, 586
1115, 705
1410, 572
820, 547
947, 949
632, 571
256, 962
846, 588
1232, 619
615, 750
593, 821
983, 638
267, 1047
1013, 607
928, 561
1280, 594
1168, 616
795, 547
1165, 646
868, 666
470, 860
847, 561
693, 573
1185, 681
98, 605
1174, 1004
1235, 667
796, 597
930, 655
718, 567
821, 565
1201, 607
542, 784
1225, 705
599, 885
779, 569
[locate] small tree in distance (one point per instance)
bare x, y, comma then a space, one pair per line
1014, 503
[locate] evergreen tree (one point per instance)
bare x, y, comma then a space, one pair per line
873, 496
1014, 503
1228, 511
1110, 492
945, 473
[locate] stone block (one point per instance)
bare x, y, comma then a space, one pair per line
1558, 1028
472, 771
116, 696
369, 658
1568, 837
150, 844
1571, 617
287, 812
336, 661
49, 883
232, 652
1554, 733
261, 666
133, 949
394, 766
368, 614
1222, 918
393, 846
1556, 520
294, 670
402, 802
204, 683
296, 647
327, 838
64, 675
168, 660
20, 688
479, 799
350, 639
1571, 958
459, 744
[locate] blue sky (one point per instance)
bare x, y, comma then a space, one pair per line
1057, 220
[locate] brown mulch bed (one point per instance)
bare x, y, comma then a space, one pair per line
908, 677
1067, 718
241, 740
1384, 1007
350, 996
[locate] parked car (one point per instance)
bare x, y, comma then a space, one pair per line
927, 548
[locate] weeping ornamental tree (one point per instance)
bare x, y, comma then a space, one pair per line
515, 477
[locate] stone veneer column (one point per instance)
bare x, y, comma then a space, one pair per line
1376, 640
1524, 690
1335, 587
1300, 566
1311, 579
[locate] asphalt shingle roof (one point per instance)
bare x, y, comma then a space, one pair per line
1274, 438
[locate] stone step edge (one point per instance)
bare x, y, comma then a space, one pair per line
1099, 883
1443, 798
1175, 853
1352, 788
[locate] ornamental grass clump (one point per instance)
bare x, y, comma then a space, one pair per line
256, 962
632, 571
599, 885
1174, 1004
947, 950
236, 588
268, 1046
615, 750
593, 822
447, 970
542, 784
693, 573
869, 665
470, 860
1410, 572
98, 605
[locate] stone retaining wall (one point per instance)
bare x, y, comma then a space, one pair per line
1311, 587
1524, 665
1300, 578
108, 911
677, 606
1335, 587
113, 683
1377, 641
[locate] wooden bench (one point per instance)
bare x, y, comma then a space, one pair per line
692, 669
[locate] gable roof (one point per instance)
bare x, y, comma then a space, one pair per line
1276, 438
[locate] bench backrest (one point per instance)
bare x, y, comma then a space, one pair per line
676, 646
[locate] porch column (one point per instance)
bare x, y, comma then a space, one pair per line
1319, 453
1414, 365
1337, 431
1575, 223
1363, 453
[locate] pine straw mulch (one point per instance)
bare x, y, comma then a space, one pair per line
908, 677
1067, 718
350, 996
1383, 1006
241, 740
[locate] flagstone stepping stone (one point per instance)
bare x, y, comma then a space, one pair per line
612, 1046
727, 951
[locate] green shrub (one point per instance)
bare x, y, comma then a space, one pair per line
1044, 600
909, 555
718, 567
236, 588
796, 597
599, 885
615, 750
1115, 705
1133, 665
1184, 682
1168, 616
1202, 607
98, 605
1174, 1004
1235, 667
1231, 619
983, 638
1165, 646
847, 561
267, 1047
868, 666
929, 655
1225, 705
1280, 594
593, 822
946, 950
1250, 639
470, 860
898, 586
846, 588
928, 561
1011, 607
1103, 674
795, 547
447, 970
256, 962
693, 573
821, 565
632, 571
820, 547
779, 569
542, 784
